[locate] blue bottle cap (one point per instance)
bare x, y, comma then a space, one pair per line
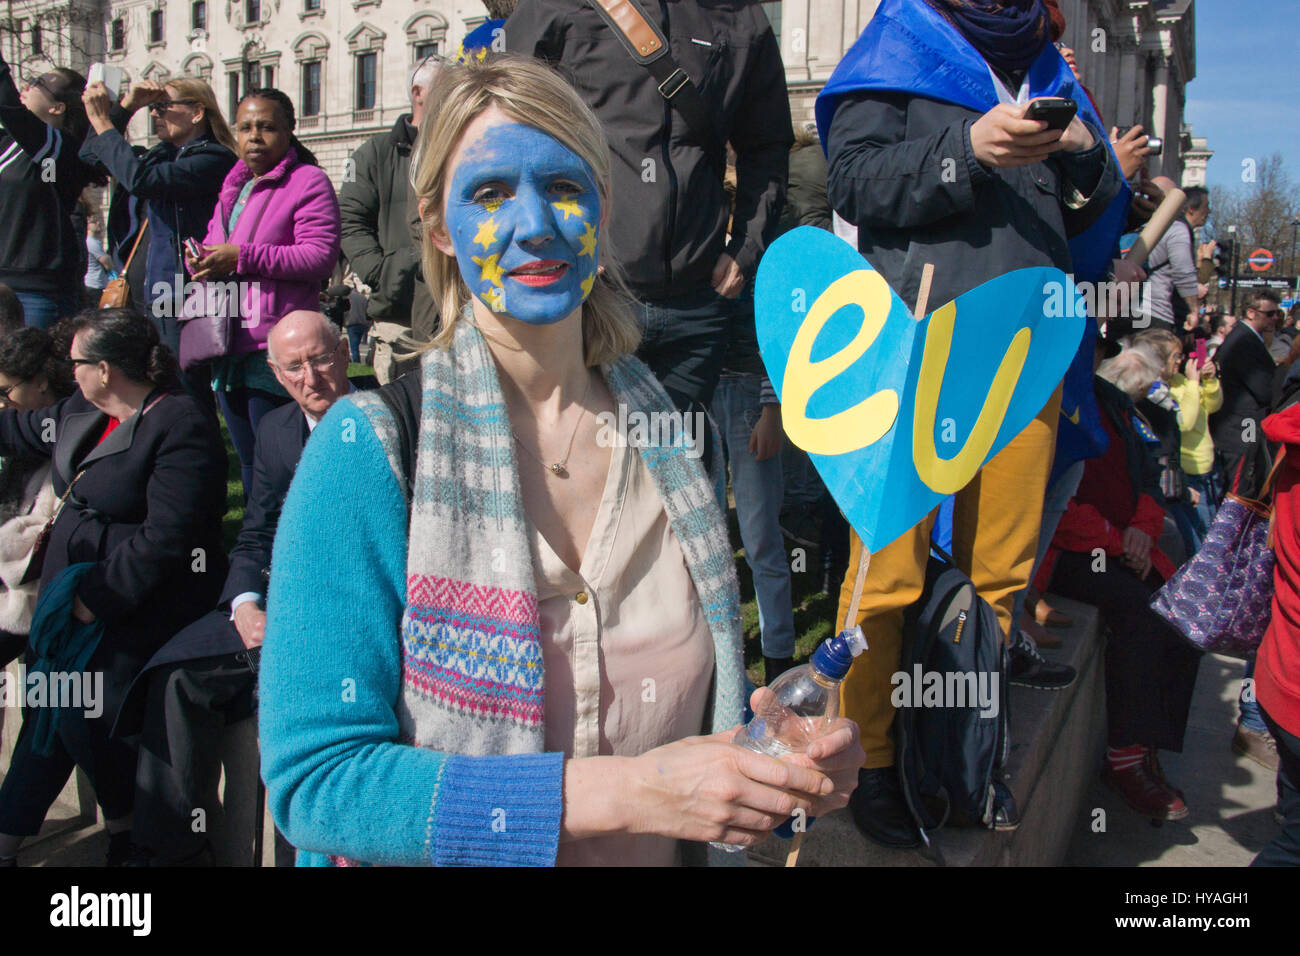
835, 655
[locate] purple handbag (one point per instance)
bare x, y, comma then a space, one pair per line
1221, 600
207, 313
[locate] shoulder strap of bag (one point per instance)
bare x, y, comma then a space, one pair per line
646, 44
1267, 489
138, 236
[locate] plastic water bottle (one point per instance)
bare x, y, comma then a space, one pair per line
796, 708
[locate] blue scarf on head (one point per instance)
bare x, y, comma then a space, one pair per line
1009, 34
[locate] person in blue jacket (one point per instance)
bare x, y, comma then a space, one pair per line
179, 180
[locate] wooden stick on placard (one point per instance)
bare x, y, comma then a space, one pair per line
864, 556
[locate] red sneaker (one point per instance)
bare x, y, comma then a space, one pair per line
1153, 761
1145, 792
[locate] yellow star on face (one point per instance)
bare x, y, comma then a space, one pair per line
589, 241
491, 271
487, 233
587, 283
569, 207
495, 299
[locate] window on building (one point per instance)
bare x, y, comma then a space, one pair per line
252, 11
310, 5
36, 40
155, 26
119, 34
424, 50
268, 77
250, 77
232, 94
310, 100
365, 81
199, 15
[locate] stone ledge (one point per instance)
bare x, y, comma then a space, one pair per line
1057, 739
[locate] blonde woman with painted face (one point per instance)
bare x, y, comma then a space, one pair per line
540, 654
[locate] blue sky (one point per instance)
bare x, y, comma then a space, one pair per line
1246, 96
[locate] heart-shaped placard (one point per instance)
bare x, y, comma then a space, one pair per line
898, 414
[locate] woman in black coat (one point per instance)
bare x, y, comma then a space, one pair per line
142, 472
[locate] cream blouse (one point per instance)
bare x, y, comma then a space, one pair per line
626, 646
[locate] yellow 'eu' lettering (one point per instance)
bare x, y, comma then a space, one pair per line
867, 421
951, 475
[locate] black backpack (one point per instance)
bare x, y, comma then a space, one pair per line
950, 757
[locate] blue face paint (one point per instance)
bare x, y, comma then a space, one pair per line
522, 213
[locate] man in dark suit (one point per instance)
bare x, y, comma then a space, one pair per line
1246, 372
205, 677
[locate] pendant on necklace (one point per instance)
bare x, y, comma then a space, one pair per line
558, 468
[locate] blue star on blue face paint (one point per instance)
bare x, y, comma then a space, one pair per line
523, 213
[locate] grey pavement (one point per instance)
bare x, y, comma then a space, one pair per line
1231, 798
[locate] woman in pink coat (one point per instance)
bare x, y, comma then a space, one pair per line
275, 230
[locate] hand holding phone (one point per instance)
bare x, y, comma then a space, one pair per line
1056, 110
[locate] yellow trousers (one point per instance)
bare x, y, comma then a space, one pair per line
994, 539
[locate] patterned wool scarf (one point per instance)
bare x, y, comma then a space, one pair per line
472, 675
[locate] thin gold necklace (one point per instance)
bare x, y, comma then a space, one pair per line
560, 468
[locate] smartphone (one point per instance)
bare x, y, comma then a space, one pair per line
194, 248
1198, 353
1057, 110
110, 76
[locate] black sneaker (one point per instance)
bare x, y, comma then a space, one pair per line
1027, 668
880, 812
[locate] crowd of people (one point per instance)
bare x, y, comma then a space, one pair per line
475, 630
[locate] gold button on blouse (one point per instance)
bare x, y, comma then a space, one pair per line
581, 597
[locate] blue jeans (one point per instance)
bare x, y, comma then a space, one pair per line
1210, 488
803, 486
756, 486
1285, 848
43, 311
1252, 717
355, 334
683, 340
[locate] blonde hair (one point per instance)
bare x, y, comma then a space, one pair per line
1132, 371
193, 88
533, 94
1159, 344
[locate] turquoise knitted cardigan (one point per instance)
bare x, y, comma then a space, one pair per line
401, 686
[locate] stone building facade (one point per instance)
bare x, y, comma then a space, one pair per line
1135, 56
344, 62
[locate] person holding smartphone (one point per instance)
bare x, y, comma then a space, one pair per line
179, 179
1196, 390
952, 169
